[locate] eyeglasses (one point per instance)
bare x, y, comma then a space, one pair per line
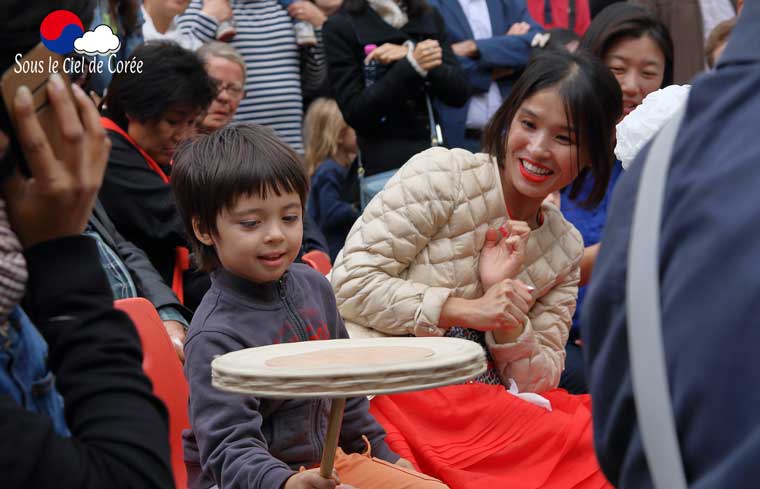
233, 89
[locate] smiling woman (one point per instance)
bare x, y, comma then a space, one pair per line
638, 50
425, 258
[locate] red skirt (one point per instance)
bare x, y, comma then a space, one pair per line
481, 436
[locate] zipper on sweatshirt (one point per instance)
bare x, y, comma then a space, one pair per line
297, 321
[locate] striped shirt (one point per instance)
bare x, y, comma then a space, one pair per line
266, 40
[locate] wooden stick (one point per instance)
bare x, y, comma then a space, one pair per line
331, 440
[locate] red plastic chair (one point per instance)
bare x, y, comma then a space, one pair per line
164, 369
318, 260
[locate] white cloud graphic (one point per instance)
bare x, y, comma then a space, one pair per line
100, 41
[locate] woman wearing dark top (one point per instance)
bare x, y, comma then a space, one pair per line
391, 116
147, 115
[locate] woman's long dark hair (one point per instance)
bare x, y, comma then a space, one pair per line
592, 101
413, 8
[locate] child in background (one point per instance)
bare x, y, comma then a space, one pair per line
331, 159
240, 191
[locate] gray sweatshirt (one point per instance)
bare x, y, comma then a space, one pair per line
243, 442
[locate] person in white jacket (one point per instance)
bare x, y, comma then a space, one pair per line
412, 263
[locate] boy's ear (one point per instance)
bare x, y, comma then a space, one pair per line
203, 237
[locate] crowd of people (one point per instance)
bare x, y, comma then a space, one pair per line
453, 162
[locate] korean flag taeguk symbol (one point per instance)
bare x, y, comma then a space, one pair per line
62, 32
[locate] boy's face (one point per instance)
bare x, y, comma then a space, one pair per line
258, 238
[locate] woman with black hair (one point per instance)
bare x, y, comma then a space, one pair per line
147, 114
426, 258
638, 50
391, 117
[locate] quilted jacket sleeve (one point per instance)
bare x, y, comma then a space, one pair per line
536, 359
368, 276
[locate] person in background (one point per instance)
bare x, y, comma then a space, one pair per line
414, 62
67, 350
717, 41
563, 39
708, 298
689, 22
147, 115
638, 50
597, 6
124, 17
131, 274
331, 161
227, 68
161, 23
573, 15
492, 41
277, 68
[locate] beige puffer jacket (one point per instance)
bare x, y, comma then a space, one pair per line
419, 241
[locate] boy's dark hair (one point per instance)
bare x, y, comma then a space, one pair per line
171, 77
593, 103
622, 20
212, 171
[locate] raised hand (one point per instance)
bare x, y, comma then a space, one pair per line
503, 253
58, 198
386, 54
428, 54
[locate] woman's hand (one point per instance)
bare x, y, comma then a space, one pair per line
58, 198
308, 12
504, 306
503, 257
386, 54
428, 54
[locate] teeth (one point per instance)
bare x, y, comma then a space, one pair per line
535, 169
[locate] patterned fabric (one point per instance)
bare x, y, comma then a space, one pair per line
490, 376
418, 243
266, 40
13, 272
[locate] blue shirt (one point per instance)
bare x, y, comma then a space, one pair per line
333, 202
590, 222
24, 375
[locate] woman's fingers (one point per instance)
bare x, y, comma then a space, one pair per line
492, 238
97, 144
34, 142
67, 119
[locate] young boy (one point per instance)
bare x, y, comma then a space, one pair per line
241, 193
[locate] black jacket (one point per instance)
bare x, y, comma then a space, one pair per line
142, 207
119, 429
148, 281
390, 117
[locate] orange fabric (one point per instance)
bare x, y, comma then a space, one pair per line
367, 472
182, 259
478, 436
162, 366
318, 260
